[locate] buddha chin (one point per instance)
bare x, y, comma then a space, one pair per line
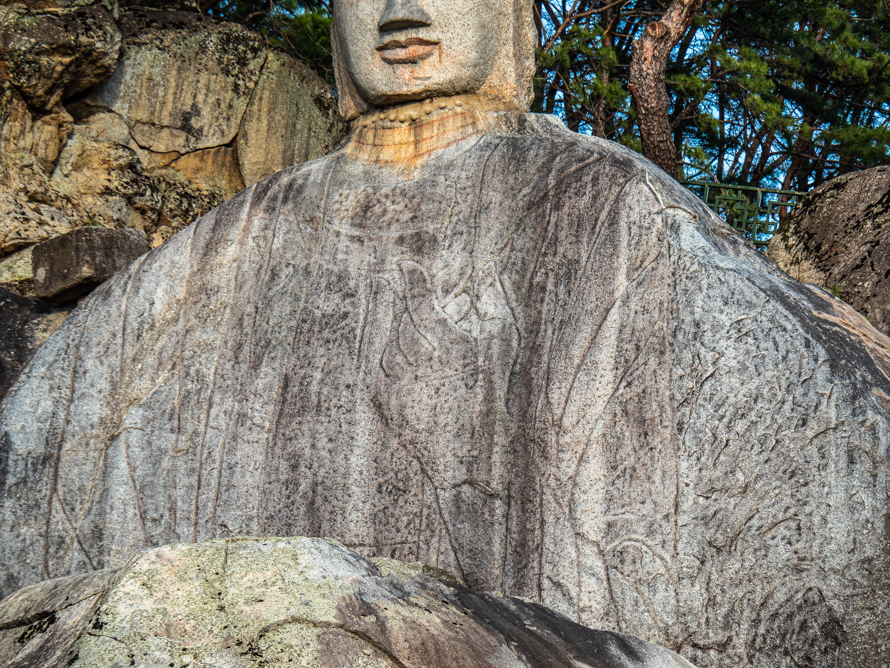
399, 50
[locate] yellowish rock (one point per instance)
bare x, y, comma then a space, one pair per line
16, 269
212, 169
270, 140
183, 83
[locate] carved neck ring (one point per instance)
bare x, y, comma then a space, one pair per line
410, 132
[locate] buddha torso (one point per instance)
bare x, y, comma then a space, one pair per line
476, 340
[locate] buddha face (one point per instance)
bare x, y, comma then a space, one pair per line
399, 50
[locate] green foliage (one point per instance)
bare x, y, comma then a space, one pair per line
302, 28
308, 36
765, 92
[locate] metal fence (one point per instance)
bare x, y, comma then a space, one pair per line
754, 212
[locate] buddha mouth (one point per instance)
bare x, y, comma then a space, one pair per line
405, 51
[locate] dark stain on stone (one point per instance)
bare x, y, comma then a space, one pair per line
803, 631
37, 628
545, 639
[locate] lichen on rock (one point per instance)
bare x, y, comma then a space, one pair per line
294, 601
838, 238
53, 54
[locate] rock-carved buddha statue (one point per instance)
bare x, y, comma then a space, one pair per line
472, 338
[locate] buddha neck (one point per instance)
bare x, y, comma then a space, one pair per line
405, 135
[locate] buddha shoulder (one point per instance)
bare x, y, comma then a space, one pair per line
591, 166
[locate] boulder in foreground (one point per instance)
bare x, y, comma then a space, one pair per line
71, 265
293, 601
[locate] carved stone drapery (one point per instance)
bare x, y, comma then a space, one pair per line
531, 359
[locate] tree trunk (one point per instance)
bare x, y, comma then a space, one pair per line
603, 113
647, 81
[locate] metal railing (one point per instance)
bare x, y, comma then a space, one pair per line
755, 213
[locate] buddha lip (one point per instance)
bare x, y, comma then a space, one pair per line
405, 43
407, 51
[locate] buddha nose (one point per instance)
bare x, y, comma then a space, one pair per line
400, 14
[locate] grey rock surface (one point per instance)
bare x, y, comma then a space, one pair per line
25, 324
71, 265
294, 601
41, 624
838, 237
534, 361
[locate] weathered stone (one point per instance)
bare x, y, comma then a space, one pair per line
269, 140
30, 209
74, 264
16, 274
838, 237
42, 137
213, 169
491, 56
160, 5
472, 338
40, 625
98, 171
23, 223
24, 326
462, 365
79, 164
118, 6
49, 56
183, 81
182, 199
294, 601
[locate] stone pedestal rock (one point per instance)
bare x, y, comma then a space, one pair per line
71, 265
294, 602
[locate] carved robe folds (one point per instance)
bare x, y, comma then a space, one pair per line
537, 362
